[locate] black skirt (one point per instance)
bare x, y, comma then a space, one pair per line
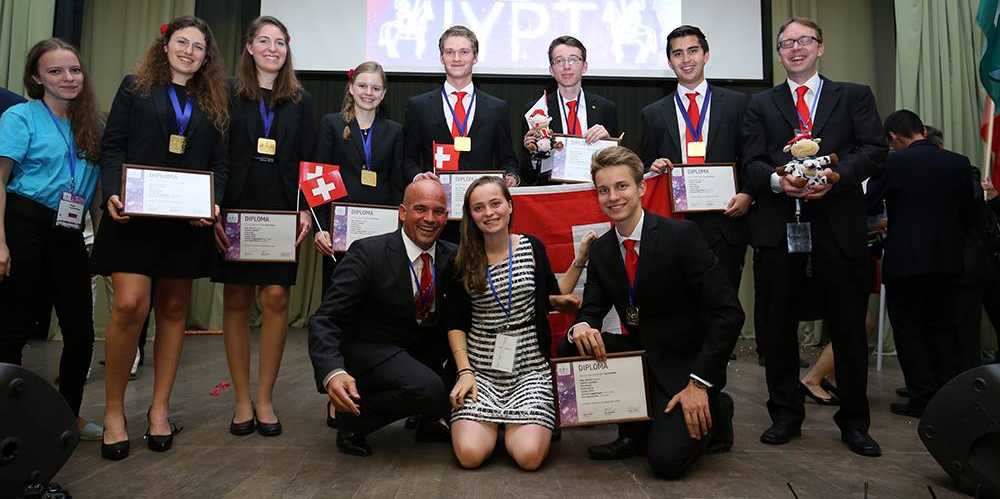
154, 247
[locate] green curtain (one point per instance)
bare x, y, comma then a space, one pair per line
22, 24
937, 57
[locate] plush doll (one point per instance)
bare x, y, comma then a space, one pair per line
806, 169
539, 123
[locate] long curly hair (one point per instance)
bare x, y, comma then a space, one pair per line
347, 108
286, 86
207, 86
82, 111
471, 257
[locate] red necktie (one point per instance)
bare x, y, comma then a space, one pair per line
459, 114
800, 105
631, 267
425, 293
695, 116
572, 122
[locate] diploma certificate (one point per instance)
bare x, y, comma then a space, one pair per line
707, 187
456, 183
591, 392
261, 236
350, 222
167, 192
571, 162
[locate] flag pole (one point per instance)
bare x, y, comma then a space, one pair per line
988, 149
316, 219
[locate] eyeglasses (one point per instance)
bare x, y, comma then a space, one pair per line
570, 61
802, 41
463, 53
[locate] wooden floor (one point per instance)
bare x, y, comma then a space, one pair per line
207, 461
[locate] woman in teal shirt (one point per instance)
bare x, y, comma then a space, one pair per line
48, 172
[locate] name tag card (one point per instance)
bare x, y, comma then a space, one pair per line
590, 392
456, 183
707, 187
350, 222
571, 163
149, 191
261, 236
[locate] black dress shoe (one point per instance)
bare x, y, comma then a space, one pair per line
330, 420
903, 392
721, 436
621, 448
161, 443
816, 398
115, 451
412, 422
860, 442
432, 431
779, 434
240, 429
906, 409
353, 444
269, 429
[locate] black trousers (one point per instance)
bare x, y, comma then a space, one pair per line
401, 386
731, 258
47, 263
780, 285
925, 327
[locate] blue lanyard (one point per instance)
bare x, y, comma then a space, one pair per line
695, 133
425, 299
468, 112
366, 143
183, 115
267, 116
565, 107
70, 147
812, 109
510, 281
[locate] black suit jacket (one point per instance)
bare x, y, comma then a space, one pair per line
848, 124
293, 129
8, 98
928, 193
600, 111
368, 313
138, 131
490, 134
387, 159
661, 139
689, 315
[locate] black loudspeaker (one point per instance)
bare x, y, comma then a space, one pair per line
961, 429
38, 433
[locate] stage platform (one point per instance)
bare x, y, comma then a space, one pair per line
208, 462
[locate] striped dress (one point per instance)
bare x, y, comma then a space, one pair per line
523, 396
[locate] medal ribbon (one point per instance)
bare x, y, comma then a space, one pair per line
510, 282
695, 132
183, 115
366, 143
70, 148
461, 125
267, 117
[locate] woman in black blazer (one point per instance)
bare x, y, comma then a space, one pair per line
269, 108
182, 69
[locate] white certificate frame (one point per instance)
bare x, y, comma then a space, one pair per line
567, 372
685, 176
568, 166
341, 235
456, 183
138, 180
238, 224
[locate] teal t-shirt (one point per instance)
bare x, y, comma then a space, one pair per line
41, 172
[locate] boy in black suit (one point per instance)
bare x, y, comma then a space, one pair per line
675, 304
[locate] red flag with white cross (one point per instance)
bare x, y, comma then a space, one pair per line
445, 157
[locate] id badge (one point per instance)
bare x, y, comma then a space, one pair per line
369, 178
70, 212
503, 353
267, 146
177, 143
696, 149
463, 144
799, 237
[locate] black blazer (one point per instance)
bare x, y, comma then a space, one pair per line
8, 99
294, 130
387, 156
460, 303
600, 111
368, 313
849, 125
689, 315
138, 131
928, 193
661, 139
490, 134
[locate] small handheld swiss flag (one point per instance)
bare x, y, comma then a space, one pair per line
321, 190
445, 157
309, 170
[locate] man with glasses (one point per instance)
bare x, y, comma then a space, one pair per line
476, 123
814, 232
573, 113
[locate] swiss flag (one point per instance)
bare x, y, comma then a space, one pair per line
309, 170
989, 112
322, 190
445, 157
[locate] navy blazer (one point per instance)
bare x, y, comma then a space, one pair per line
8, 99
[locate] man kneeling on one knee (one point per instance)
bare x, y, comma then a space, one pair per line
675, 303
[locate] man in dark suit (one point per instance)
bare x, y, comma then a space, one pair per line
675, 304
667, 137
590, 116
843, 115
8, 98
459, 113
376, 342
929, 195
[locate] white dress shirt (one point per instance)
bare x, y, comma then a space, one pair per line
682, 92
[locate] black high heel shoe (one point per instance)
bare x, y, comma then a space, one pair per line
161, 443
115, 451
816, 398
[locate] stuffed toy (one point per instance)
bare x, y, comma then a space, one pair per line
539, 123
805, 169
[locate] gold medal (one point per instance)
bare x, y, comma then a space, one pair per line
369, 178
266, 146
463, 144
177, 143
696, 149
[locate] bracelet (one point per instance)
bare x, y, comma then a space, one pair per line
466, 370
470, 372
580, 265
